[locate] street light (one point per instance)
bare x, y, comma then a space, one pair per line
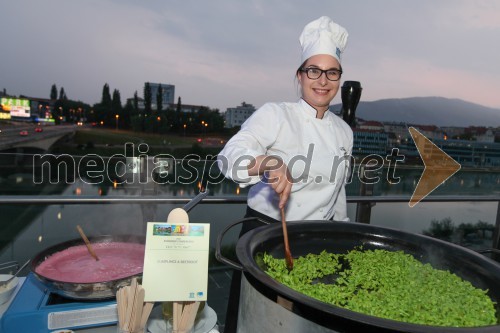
184, 126
117, 116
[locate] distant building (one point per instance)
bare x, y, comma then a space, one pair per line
429, 131
400, 131
41, 108
371, 125
188, 108
472, 153
25, 108
487, 136
368, 142
465, 152
140, 102
185, 108
481, 134
453, 131
496, 134
167, 96
237, 116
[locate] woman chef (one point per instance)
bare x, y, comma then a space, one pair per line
295, 154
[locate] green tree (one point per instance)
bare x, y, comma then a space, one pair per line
106, 96
116, 103
58, 112
136, 102
179, 105
72, 111
53, 92
466, 136
441, 229
207, 120
216, 121
62, 94
147, 98
147, 104
159, 99
100, 113
179, 121
90, 116
116, 109
103, 110
127, 114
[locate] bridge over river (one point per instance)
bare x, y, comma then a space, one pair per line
10, 138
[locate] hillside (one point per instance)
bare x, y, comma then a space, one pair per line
428, 111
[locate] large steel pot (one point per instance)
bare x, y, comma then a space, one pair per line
267, 305
84, 291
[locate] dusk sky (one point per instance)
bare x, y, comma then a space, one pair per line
221, 53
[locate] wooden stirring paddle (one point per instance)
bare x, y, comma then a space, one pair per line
87, 242
288, 254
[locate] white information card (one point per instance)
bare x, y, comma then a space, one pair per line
176, 262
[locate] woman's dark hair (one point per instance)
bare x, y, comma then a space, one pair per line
299, 69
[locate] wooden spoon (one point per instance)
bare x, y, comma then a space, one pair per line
288, 254
87, 243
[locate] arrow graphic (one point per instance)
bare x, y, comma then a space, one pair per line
439, 166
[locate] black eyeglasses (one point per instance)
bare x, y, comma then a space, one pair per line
314, 73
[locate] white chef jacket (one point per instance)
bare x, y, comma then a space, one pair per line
315, 151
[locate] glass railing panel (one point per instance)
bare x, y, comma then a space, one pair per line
469, 224
402, 180
29, 229
46, 174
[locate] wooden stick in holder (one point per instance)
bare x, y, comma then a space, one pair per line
133, 312
184, 313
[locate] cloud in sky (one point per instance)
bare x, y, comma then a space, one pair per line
221, 53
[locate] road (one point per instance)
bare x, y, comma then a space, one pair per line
10, 135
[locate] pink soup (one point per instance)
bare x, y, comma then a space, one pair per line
75, 265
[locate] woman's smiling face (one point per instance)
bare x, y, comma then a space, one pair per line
320, 92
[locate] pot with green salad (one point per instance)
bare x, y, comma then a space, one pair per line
357, 277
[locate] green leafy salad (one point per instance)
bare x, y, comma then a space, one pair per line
386, 284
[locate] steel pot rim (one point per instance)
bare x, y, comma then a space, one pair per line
89, 290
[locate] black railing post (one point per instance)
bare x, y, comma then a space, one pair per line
496, 235
364, 209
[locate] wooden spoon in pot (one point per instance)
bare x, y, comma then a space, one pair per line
288, 254
87, 243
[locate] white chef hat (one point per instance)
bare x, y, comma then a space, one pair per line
323, 36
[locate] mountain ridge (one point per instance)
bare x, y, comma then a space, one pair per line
433, 110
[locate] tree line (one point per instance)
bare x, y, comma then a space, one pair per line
111, 113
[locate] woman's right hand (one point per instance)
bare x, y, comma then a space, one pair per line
277, 173
280, 180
